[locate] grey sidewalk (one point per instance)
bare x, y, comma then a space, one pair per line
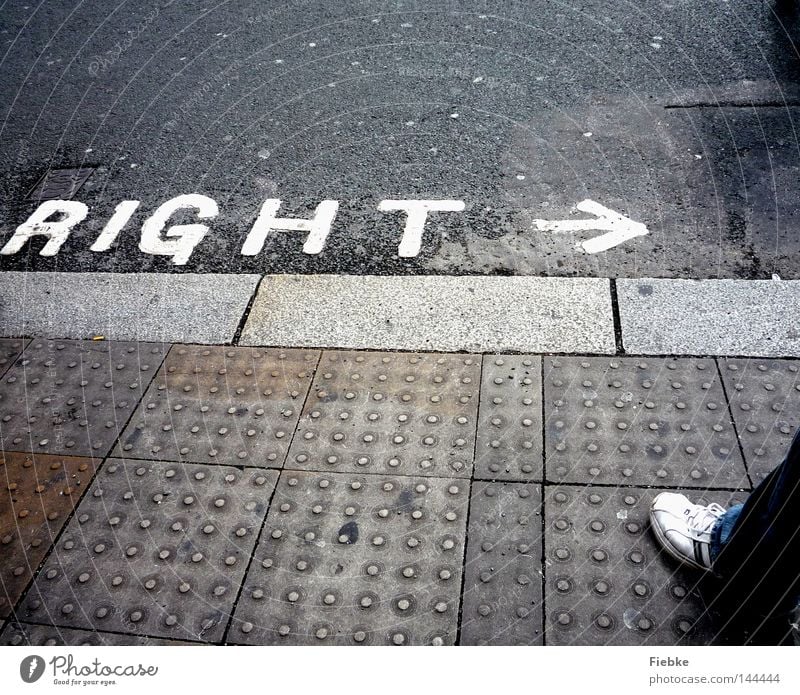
158, 492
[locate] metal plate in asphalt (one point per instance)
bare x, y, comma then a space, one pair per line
607, 580
154, 549
637, 421
510, 425
38, 493
765, 402
74, 397
60, 184
347, 559
397, 414
221, 405
502, 601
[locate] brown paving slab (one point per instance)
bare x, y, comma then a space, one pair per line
224, 405
37, 493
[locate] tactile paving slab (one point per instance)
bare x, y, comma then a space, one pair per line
347, 559
608, 581
19, 634
10, 350
636, 421
221, 405
38, 493
502, 602
765, 402
395, 413
73, 397
155, 549
510, 425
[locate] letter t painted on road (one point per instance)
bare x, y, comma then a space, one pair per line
417, 213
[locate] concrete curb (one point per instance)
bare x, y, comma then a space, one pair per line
140, 306
444, 313
749, 318
758, 318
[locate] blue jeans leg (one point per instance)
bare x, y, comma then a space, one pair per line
755, 546
721, 533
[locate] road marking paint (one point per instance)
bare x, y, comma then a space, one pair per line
40, 224
620, 228
122, 214
318, 227
179, 241
417, 213
181, 238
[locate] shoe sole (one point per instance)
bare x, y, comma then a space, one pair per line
667, 546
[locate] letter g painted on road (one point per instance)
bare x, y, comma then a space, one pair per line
179, 240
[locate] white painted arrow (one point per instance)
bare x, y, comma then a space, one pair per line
619, 228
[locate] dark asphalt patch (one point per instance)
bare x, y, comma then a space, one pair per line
361, 102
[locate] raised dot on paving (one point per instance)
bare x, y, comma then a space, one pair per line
226, 405
38, 493
502, 602
765, 402
639, 421
73, 397
332, 568
149, 553
607, 579
509, 443
390, 413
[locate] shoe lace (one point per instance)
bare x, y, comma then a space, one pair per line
701, 518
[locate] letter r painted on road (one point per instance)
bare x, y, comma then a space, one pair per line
318, 227
180, 239
417, 213
40, 224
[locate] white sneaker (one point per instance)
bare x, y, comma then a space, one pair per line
684, 529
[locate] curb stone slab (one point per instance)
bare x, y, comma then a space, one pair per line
710, 317
156, 307
433, 312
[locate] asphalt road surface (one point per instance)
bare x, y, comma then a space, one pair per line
680, 116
